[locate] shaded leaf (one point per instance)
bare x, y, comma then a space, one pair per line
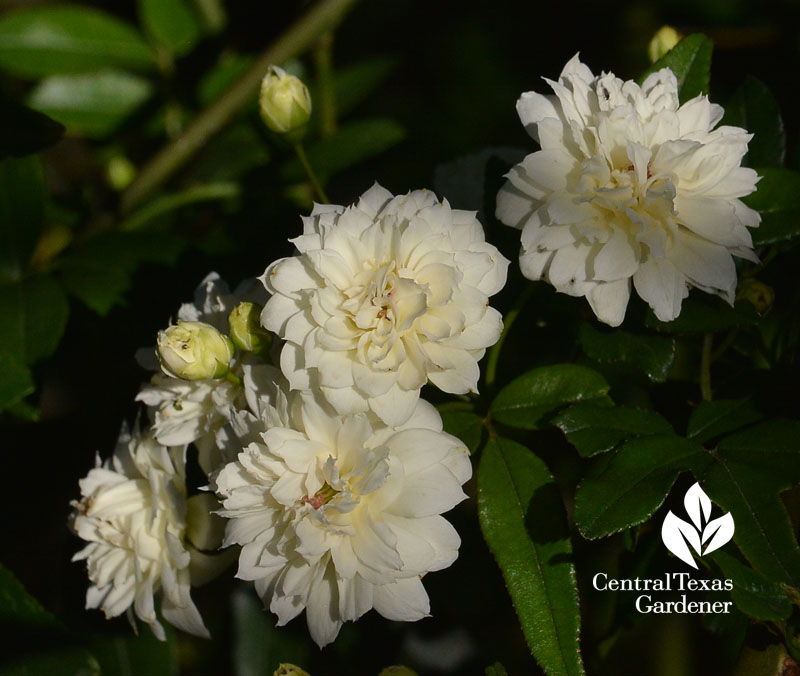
704, 313
714, 418
62, 38
596, 429
527, 401
631, 484
653, 355
754, 594
258, 645
352, 84
25, 131
23, 196
521, 517
745, 474
497, 669
143, 654
173, 24
690, 60
229, 155
754, 108
221, 76
466, 425
776, 200
94, 104
34, 314
99, 272
353, 143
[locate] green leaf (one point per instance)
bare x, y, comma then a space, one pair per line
466, 425
62, 38
143, 654
25, 131
631, 484
704, 313
99, 272
353, 84
753, 594
258, 645
229, 155
714, 418
173, 24
353, 143
497, 669
690, 60
35, 642
776, 200
596, 429
745, 474
34, 316
16, 383
653, 355
754, 108
94, 104
221, 76
521, 517
527, 401
23, 196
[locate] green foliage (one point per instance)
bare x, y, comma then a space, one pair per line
353, 84
754, 594
527, 401
94, 104
653, 355
22, 199
353, 143
462, 422
776, 201
712, 419
754, 108
702, 313
56, 39
25, 131
594, 429
626, 488
690, 60
744, 475
173, 25
99, 272
36, 643
137, 654
515, 492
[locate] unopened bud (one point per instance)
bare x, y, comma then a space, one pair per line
246, 330
665, 39
287, 669
760, 295
285, 103
194, 351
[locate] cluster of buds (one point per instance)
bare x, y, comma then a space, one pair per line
198, 351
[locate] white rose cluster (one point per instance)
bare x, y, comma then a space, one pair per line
629, 185
330, 473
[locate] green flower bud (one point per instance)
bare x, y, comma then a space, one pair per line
287, 669
246, 330
760, 295
194, 351
285, 103
665, 39
397, 670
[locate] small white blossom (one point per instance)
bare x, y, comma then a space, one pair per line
629, 185
385, 295
340, 514
133, 515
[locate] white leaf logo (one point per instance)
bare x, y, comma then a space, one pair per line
678, 535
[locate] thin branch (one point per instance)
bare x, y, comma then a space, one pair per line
705, 366
322, 18
508, 320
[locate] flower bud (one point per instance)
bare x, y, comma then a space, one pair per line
245, 327
287, 669
760, 295
665, 39
284, 102
194, 351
